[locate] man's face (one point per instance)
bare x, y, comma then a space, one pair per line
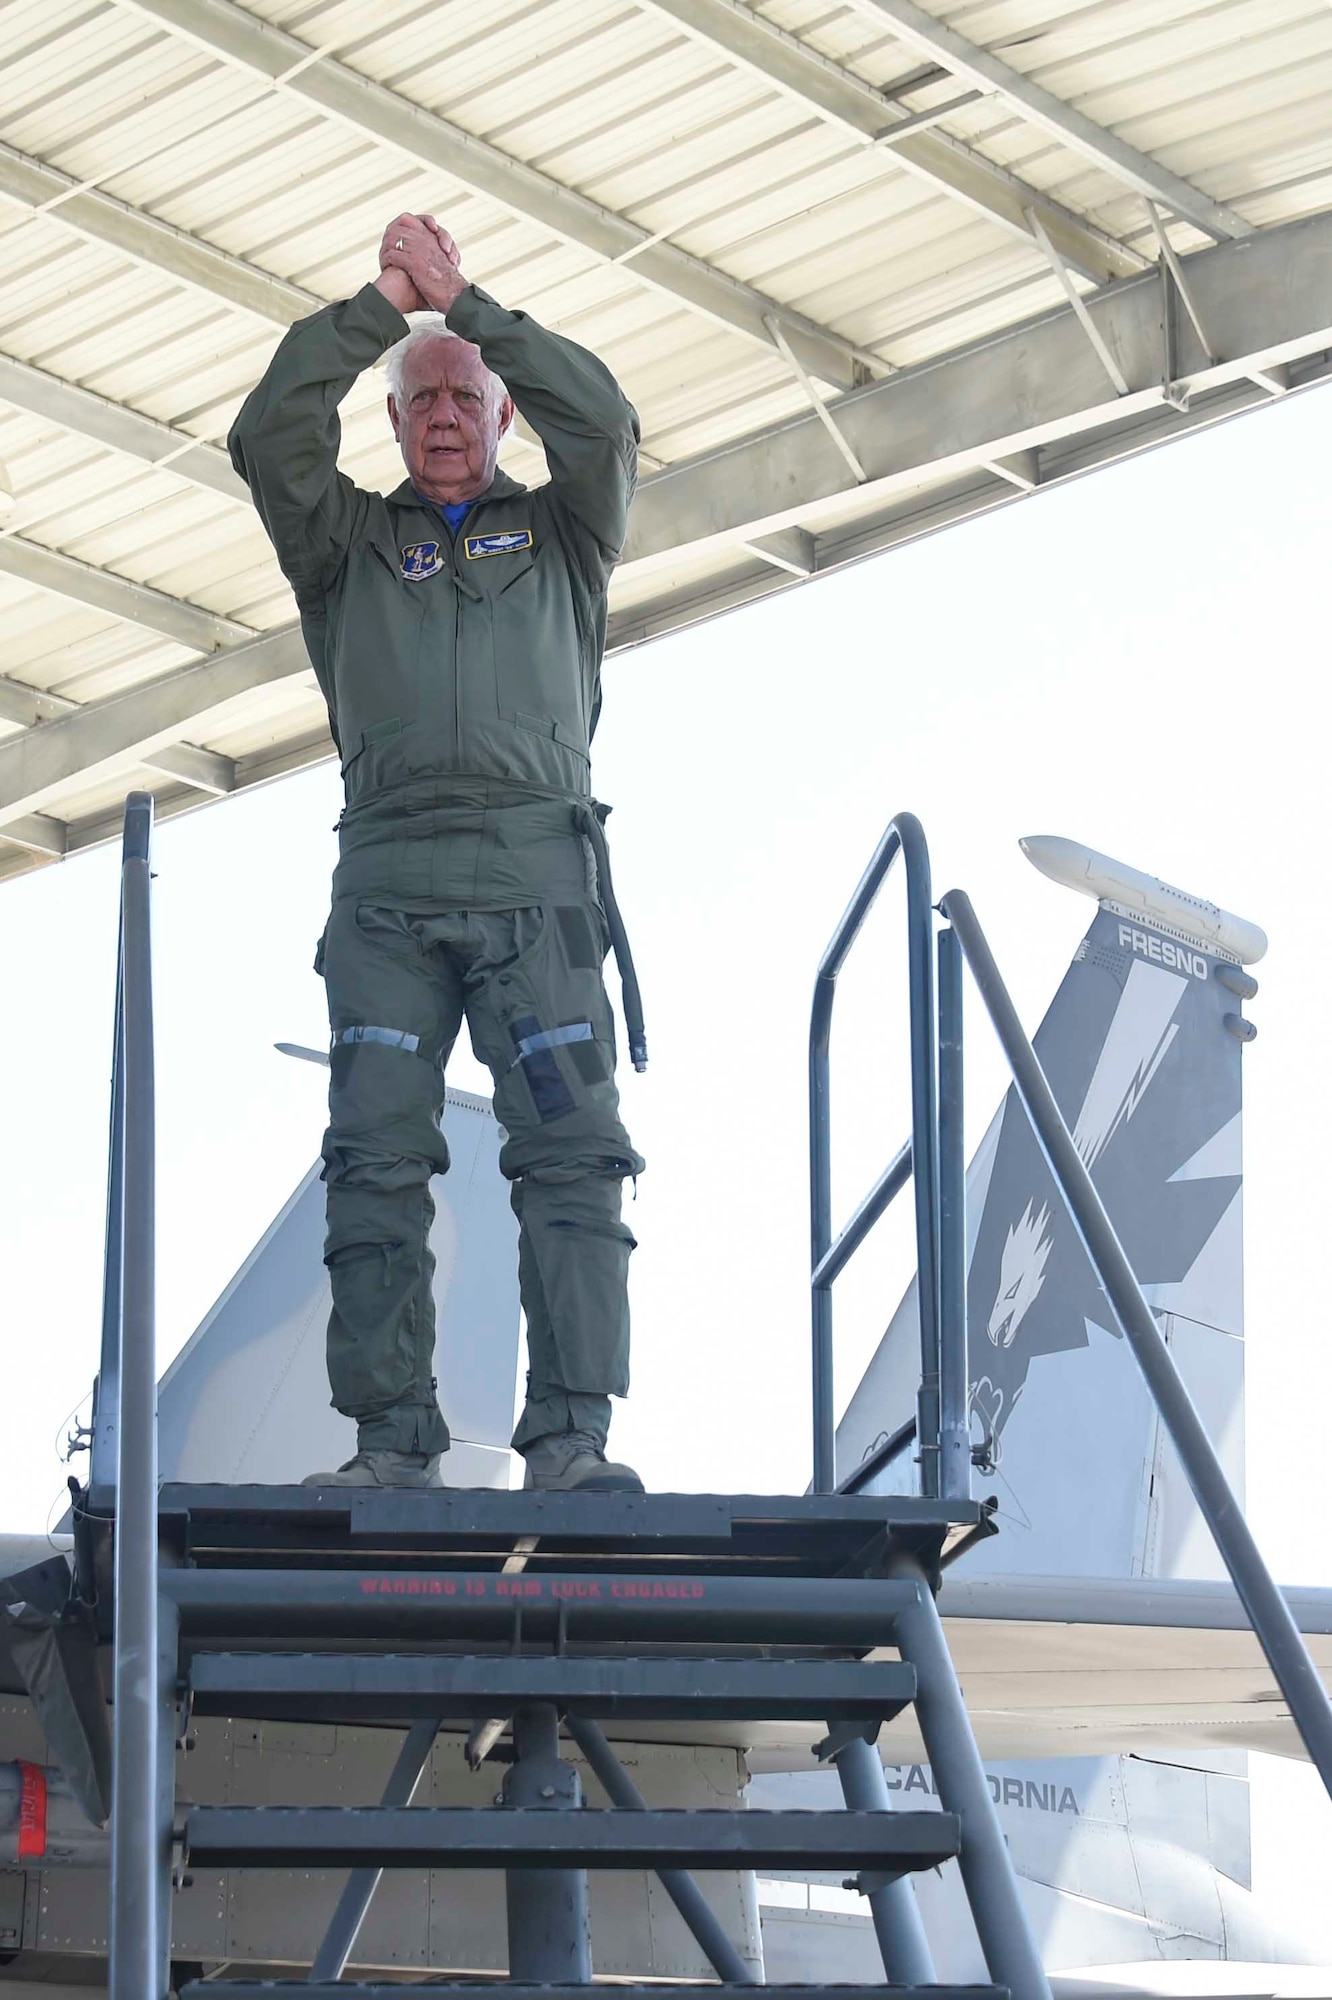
450, 421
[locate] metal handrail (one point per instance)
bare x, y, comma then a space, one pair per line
941, 1421
920, 1160
125, 1435
955, 1458
1266, 1608
880, 1197
106, 1388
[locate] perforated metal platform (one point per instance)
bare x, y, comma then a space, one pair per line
706, 1535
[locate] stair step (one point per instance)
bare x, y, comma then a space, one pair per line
312, 1687
350, 1989
521, 1837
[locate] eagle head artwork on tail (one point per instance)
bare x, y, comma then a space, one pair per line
1022, 1264
1021, 1274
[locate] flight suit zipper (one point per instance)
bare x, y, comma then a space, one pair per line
449, 544
457, 638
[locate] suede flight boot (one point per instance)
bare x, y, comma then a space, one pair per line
383, 1468
575, 1462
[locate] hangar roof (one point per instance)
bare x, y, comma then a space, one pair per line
864, 269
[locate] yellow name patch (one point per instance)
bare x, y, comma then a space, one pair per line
504, 543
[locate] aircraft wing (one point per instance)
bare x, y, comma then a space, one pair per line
1066, 1666
1193, 1979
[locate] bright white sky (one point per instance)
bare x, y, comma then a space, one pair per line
1133, 661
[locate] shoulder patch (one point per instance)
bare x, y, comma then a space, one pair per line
504, 543
421, 559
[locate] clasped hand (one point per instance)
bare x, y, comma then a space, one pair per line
419, 265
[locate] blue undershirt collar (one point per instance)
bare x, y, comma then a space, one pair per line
455, 512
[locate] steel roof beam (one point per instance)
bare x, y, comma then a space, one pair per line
1036, 389
790, 549
926, 514
137, 603
1021, 469
47, 839
102, 739
1135, 169
280, 760
1265, 300
354, 100
143, 238
870, 115
52, 840
1080, 308
117, 427
28, 706
39, 834
201, 770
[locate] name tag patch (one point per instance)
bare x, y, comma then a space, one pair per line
420, 560
502, 544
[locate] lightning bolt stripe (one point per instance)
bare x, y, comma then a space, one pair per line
1139, 1037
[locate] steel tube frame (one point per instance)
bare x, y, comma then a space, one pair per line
358, 1892
954, 1416
903, 1945
987, 1871
704, 1924
1267, 1610
904, 836
549, 1935
168, 1730
139, 1881
876, 1203
106, 1399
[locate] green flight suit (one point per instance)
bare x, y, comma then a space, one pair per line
462, 676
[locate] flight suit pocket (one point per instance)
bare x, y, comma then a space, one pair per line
583, 1257
555, 730
391, 930
371, 1339
537, 653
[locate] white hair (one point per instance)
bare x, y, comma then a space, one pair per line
427, 326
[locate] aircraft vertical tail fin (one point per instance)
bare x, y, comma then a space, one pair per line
1142, 1045
246, 1399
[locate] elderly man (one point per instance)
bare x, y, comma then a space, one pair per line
456, 626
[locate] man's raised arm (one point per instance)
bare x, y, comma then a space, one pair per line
575, 406
284, 442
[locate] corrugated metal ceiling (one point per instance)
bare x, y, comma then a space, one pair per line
179, 179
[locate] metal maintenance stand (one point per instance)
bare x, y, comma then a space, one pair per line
317, 1604
408, 1610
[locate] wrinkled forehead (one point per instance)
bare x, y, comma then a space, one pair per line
444, 364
